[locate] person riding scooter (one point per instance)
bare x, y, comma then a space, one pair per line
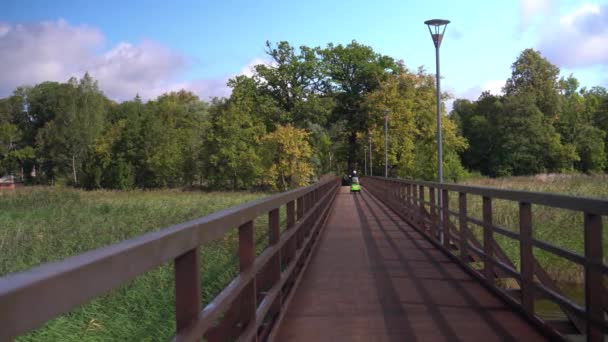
354, 183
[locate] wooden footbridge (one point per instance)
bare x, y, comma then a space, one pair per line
388, 264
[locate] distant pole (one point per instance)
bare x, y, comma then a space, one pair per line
371, 164
437, 29
365, 160
386, 145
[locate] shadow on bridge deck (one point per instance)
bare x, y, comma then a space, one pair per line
374, 278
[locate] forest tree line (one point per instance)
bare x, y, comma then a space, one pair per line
311, 111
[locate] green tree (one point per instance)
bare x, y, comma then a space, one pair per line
74, 115
527, 144
296, 83
231, 146
353, 71
535, 77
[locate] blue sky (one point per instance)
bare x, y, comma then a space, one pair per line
149, 47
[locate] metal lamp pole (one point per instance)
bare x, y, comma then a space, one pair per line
437, 29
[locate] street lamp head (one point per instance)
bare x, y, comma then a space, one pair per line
437, 29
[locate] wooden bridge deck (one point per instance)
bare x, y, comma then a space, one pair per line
374, 278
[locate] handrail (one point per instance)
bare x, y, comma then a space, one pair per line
586, 204
407, 199
29, 299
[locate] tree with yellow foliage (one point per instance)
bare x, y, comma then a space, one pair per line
287, 155
409, 100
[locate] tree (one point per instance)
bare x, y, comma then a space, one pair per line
77, 121
409, 100
534, 76
296, 84
526, 143
231, 147
576, 127
287, 153
353, 71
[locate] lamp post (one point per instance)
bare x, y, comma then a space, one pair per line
371, 164
386, 144
437, 29
365, 160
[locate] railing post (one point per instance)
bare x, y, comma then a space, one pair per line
445, 218
300, 215
594, 283
300, 208
462, 222
187, 289
421, 207
526, 257
488, 239
274, 232
414, 206
291, 221
433, 211
247, 302
291, 217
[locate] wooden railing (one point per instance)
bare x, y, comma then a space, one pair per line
245, 310
407, 199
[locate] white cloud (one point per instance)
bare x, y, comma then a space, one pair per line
55, 51
529, 9
578, 38
586, 9
4, 28
494, 87
147, 68
249, 69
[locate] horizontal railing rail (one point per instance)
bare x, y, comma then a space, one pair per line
433, 218
241, 311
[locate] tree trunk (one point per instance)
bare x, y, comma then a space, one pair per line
74, 170
352, 150
283, 181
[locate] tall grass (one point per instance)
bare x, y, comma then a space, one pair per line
41, 224
562, 228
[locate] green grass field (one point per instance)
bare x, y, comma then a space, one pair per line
562, 228
42, 224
